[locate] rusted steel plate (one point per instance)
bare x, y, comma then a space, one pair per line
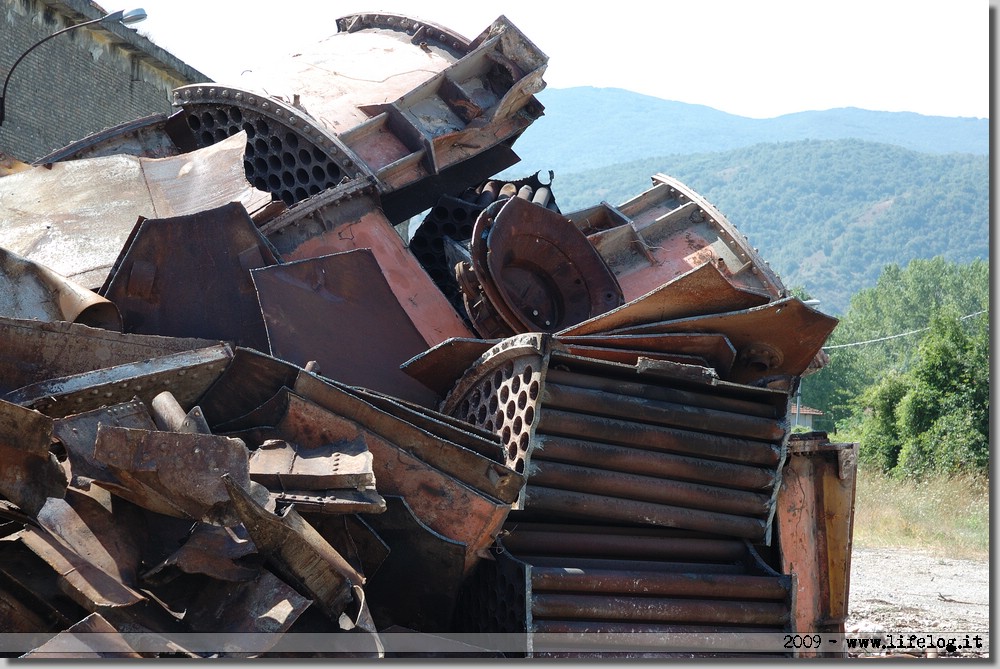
91, 638
29, 290
440, 366
34, 351
26, 577
714, 348
78, 432
634, 356
815, 521
463, 456
297, 552
699, 291
250, 379
444, 503
85, 583
575, 504
545, 270
51, 214
264, 607
342, 298
209, 550
780, 338
281, 465
335, 222
417, 585
173, 473
189, 276
336, 501
29, 473
187, 375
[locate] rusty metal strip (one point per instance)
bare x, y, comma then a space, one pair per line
281, 465
34, 351
653, 437
440, 366
430, 440
599, 480
444, 503
29, 473
342, 298
574, 504
187, 375
609, 581
29, 290
699, 291
714, 348
635, 356
669, 414
780, 338
640, 460
173, 473
297, 552
189, 276
658, 609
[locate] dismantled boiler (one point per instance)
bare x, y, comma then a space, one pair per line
249, 408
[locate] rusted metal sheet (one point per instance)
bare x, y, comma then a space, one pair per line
297, 552
440, 366
815, 521
189, 276
34, 351
667, 230
781, 338
349, 218
699, 291
90, 639
187, 375
173, 473
49, 214
29, 290
416, 101
341, 298
285, 466
29, 472
211, 550
714, 349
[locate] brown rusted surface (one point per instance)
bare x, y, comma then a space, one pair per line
173, 473
187, 375
90, 639
342, 298
50, 214
29, 290
29, 473
715, 349
779, 338
34, 351
281, 465
440, 366
297, 551
815, 521
154, 281
211, 550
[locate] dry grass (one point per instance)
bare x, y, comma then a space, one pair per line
946, 516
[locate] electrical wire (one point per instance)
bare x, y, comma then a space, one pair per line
896, 336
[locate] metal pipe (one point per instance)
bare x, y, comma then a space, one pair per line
563, 562
609, 581
658, 609
604, 403
579, 504
588, 543
654, 437
488, 194
648, 489
542, 197
659, 392
653, 463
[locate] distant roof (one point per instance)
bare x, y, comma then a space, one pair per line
803, 410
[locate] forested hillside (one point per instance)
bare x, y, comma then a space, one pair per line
828, 215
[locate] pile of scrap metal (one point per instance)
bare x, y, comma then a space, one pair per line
241, 415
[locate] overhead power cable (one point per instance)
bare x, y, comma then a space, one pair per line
896, 336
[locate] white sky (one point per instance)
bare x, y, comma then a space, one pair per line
756, 58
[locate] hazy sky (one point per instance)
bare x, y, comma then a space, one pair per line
758, 58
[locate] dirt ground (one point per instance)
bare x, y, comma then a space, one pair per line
903, 591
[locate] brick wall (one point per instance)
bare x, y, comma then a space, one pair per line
79, 82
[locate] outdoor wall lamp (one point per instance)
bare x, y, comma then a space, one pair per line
126, 17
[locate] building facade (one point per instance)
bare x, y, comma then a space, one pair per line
80, 82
